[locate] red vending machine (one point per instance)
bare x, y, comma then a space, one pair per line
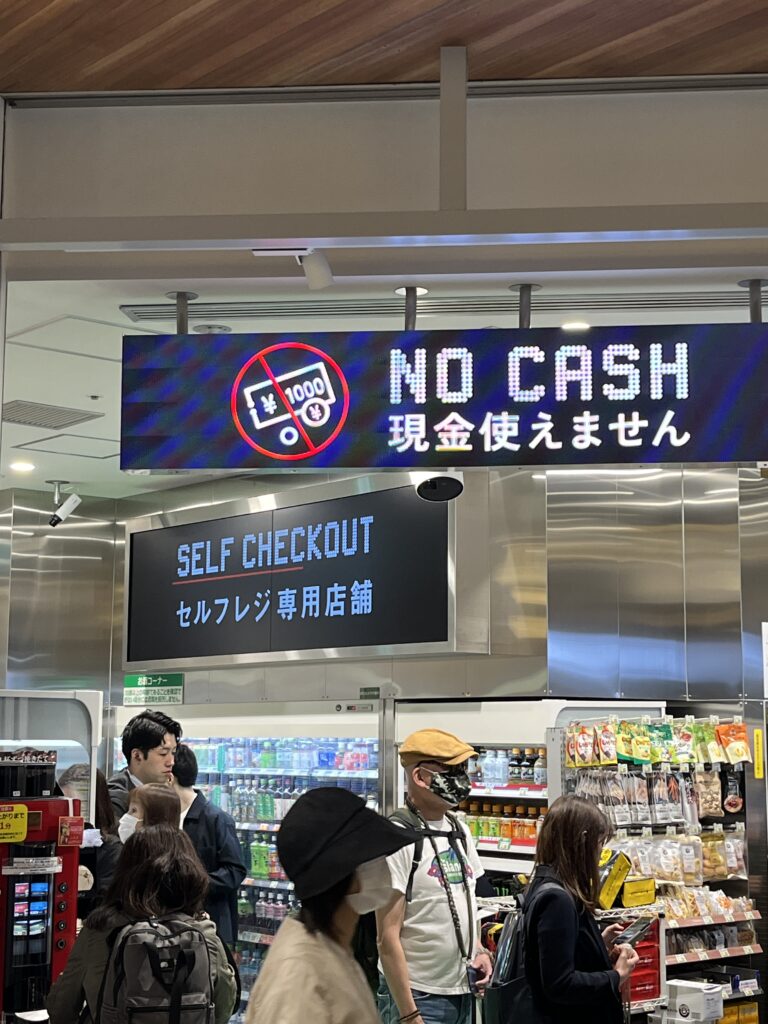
40, 835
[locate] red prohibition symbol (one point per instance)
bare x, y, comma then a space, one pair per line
305, 400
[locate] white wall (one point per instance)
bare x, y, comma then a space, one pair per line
602, 150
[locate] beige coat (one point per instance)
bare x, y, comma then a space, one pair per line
81, 978
310, 978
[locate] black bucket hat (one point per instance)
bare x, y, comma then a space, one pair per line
330, 832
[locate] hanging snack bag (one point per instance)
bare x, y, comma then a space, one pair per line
659, 798
605, 737
617, 805
637, 795
682, 732
692, 860
667, 860
570, 746
708, 795
641, 745
675, 796
734, 740
585, 746
662, 743
734, 801
624, 735
709, 745
735, 861
713, 856
690, 804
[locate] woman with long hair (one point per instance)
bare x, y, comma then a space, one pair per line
153, 804
158, 875
575, 971
333, 848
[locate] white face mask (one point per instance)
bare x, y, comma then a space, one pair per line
127, 826
375, 886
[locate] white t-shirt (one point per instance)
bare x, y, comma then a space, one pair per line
428, 936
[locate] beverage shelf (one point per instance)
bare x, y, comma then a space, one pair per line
267, 883
700, 922
292, 773
531, 791
257, 826
700, 955
256, 938
484, 844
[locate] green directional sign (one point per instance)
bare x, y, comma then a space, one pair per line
157, 688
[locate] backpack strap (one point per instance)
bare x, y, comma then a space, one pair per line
405, 816
111, 940
238, 984
458, 830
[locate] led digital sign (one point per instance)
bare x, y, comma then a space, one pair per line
423, 399
361, 571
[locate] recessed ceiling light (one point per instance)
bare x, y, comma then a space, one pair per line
419, 291
22, 467
212, 329
576, 325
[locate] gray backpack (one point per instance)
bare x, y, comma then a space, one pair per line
158, 972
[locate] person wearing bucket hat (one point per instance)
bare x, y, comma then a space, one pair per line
334, 850
431, 961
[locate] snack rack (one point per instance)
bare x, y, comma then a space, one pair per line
675, 791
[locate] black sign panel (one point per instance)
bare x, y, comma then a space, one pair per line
362, 571
423, 399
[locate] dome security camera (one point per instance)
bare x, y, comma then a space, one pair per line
444, 486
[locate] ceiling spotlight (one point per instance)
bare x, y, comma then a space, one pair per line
22, 467
212, 329
419, 291
575, 325
316, 270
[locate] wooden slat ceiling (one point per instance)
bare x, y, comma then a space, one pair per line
116, 45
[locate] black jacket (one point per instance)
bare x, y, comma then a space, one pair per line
101, 862
567, 964
120, 786
213, 835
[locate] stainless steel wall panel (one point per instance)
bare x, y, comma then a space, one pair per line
507, 677
429, 677
753, 535
472, 566
6, 525
344, 681
236, 686
712, 582
60, 623
651, 583
582, 584
518, 562
304, 681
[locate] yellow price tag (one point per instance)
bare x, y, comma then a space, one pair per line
13, 823
759, 754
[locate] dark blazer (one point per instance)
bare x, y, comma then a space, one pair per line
213, 835
120, 786
101, 861
567, 964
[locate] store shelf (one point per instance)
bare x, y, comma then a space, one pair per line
258, 826
485, 845
505, 792
648, 1006
748, 993
505, 864
317, 773
256, 938
268, 883
700, 955
700, 922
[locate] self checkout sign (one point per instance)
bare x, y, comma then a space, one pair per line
422, 399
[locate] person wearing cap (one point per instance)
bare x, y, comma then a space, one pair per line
334, 850
430, 957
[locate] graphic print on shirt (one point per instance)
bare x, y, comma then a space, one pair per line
451, 868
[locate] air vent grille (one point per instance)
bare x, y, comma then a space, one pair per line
45, 417
460, 305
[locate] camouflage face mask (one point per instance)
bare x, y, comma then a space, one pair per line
451, 785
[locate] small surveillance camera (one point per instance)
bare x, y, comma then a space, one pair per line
65, 510
438, 487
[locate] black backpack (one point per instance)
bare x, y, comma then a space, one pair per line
159, 971
511, 1001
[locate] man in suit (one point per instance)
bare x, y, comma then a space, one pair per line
149, 746
213, 835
